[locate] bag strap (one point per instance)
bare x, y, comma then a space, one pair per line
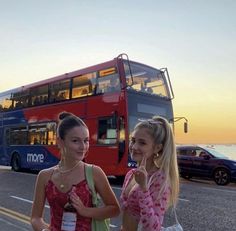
89, 179
174, 210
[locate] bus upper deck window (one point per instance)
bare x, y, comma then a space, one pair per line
114, 85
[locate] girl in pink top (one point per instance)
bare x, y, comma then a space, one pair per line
65, 184
150, 189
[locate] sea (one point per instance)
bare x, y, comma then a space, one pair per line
228, 150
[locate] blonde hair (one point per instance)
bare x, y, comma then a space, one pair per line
161, 131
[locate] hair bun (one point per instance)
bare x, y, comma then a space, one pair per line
63, 115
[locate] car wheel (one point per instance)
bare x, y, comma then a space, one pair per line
221, 176
16, 163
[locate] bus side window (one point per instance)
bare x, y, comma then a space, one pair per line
108, 80
59, 91
107, 132
84, 91
17, 136
61, 96
5, 102
114, 84
38, 95
83, 85
42, 134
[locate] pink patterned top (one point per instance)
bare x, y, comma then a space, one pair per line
58, 199
144, 206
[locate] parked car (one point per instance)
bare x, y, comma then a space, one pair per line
197, 161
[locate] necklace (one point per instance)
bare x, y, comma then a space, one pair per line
67, 170
62, 185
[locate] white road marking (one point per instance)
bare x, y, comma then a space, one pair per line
25, 200
184, 200
117, 188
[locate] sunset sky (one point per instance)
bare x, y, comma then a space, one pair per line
195, 40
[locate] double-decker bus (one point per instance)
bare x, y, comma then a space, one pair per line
110, 97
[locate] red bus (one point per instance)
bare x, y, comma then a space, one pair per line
110, 97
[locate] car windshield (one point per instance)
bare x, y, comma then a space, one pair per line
216, 153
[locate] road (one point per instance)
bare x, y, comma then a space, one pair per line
203, 206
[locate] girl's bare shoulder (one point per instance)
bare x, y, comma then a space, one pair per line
98, 173
46, 174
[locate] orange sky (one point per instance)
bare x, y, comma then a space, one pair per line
207, 123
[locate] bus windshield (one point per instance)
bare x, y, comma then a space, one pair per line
146, 79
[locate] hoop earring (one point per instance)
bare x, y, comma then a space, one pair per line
155, 159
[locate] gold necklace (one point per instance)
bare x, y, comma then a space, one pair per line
62, 185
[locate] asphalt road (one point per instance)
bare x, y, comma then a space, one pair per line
203, 206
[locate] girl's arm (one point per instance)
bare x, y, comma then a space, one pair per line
111, 206
153, 205
38, 203
102, 186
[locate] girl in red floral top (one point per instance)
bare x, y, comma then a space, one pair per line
154, 186
66, 182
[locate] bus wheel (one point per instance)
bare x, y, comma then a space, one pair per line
15, 163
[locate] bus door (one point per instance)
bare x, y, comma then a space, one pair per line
107, 141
